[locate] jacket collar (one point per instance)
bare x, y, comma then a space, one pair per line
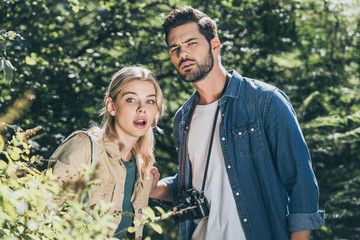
233, 91
112, 149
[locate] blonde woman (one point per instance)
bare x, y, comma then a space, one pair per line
125, 144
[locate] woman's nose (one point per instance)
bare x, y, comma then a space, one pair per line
141, 108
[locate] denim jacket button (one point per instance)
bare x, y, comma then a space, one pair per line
239, 133
245, 219
177, 149
237, 194
223, 139
229, 166
252, 129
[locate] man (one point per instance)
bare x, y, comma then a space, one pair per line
259, 184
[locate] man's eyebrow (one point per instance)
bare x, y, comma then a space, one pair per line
186, 41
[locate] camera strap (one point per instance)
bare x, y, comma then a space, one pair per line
187, 127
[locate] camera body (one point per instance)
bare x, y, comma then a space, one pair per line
191, 198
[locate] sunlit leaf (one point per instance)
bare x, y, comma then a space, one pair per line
10, 209
148, 212
137, 223
14, 155
3, 165
160, 210
2, 143
9, 70
156, 227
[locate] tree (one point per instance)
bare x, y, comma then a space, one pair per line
309, 49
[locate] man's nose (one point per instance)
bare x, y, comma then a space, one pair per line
183, 53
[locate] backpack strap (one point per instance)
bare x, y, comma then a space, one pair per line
93, 161
94, 145
94, 148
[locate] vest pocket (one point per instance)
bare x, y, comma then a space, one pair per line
104, 190
248, 139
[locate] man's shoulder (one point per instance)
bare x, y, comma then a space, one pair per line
250, 84
178, 114
252, 89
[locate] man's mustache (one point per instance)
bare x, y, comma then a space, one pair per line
184, 60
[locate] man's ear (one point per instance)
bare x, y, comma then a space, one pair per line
110, 108
215, 44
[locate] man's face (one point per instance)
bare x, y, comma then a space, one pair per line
190, 52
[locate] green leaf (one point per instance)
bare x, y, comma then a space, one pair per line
148, 212
2, 143
10, 209
156, 227
137, 223
3, 164
3, 44
162, 212
14, 155
9, 70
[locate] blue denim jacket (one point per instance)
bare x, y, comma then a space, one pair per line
266, 158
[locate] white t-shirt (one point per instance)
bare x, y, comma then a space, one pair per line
223, 221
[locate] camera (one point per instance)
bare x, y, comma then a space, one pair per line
197, 204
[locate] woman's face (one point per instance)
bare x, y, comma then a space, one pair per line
134, 109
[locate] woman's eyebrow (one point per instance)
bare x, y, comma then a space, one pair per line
125, 93
134, 93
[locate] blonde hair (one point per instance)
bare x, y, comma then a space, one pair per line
144, 147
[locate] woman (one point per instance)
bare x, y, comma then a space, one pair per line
125, 144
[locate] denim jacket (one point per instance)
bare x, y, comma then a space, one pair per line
266, 158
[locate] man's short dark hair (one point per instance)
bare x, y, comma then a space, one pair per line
187, 14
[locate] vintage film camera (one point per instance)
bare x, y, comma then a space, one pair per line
191, 198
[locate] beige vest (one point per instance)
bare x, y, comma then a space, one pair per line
75, 153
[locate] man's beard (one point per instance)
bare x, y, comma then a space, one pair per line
203, 69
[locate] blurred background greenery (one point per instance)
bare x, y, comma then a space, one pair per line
310, 49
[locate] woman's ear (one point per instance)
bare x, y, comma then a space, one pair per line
110, 108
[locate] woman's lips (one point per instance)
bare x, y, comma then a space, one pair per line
140, 123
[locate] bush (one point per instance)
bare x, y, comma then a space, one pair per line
30, 206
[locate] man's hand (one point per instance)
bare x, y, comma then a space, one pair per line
156, 176
159, 190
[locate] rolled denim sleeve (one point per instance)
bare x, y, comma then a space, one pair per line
305, 221
293, 163
172, 182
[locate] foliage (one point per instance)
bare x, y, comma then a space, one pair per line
34, 206
6, 65
309, 49
28, 205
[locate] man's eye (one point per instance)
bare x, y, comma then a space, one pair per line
192, 43
173, 50
130, 100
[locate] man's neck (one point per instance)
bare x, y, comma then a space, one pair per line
211, 87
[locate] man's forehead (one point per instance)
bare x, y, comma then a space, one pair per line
183, 33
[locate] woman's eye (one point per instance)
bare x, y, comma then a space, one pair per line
151, 101
130, 100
